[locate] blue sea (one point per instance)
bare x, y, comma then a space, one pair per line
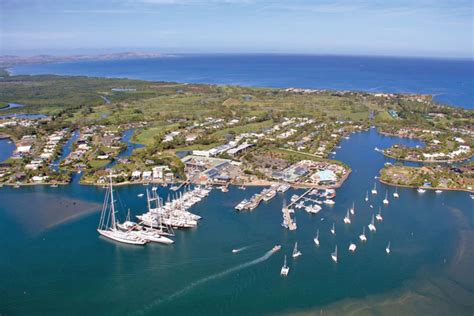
450, 81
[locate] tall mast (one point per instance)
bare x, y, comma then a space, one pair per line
112, 207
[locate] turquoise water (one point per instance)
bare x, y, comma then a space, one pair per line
450, 81
54, 261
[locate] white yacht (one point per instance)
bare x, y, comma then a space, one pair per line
108, 223
347, 218
421, 190
140, 195
379, 215
316, 239
367, 196
387, 249
152, 235
362, 237
352, 209
395, 194
242, 205
385, 201
296, 252
438, 191
313, 209
372, 224
333, 229
329, 202
374, 190
285, 269
352, 247
334, 255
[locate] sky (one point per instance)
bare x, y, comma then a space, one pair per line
431, 28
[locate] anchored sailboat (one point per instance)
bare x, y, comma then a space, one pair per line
385, 201
333, 229
296, 252
367, 196
379, 215
108, 222
347, 218
387, 249
352, 209
334, 255
285, 269
362, 237
395, 194
352, 247
372, 224
374, 190
316, 239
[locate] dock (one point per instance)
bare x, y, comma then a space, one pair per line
301, 196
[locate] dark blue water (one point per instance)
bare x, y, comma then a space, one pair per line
51, 251
7, 147
450, 81
11, 106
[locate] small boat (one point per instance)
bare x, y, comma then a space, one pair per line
387, 249
362, 237
313, 209
374, 190
153, 189
347, 218
472, 196
367, 196
224, 189
395, 194
235, 250
372, 225
385, 201
140, 195
438, 191
329, 202
285, 269
334, 255
53, 185
352, 209
420, 190
316, 239
352, 247
276, 248
333, 229
242, 187
379, 215
296, 252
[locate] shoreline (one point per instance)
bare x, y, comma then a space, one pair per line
423, 187
426, 161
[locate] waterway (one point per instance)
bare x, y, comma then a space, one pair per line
54, 261
7, 147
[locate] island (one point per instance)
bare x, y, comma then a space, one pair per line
166, 132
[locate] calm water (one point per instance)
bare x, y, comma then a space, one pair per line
451, 81
52, 253
7, 147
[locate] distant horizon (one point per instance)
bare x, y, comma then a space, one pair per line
94, 52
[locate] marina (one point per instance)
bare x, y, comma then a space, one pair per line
141, 266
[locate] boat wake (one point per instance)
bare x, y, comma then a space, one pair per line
193, 285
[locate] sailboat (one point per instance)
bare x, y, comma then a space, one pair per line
352, 247
385, 201
367, 196
285, 269
108, 223
395, 194
362, 237
379, 215
352, 209
128, 224
374, 190
296, 252
387, 249
334, 255
333, 229
316, 239
347, 218
372, 224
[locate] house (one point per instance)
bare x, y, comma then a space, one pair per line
146, 176
136, 175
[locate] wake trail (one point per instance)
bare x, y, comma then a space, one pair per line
197, 283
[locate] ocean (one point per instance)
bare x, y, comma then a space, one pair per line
450, 81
